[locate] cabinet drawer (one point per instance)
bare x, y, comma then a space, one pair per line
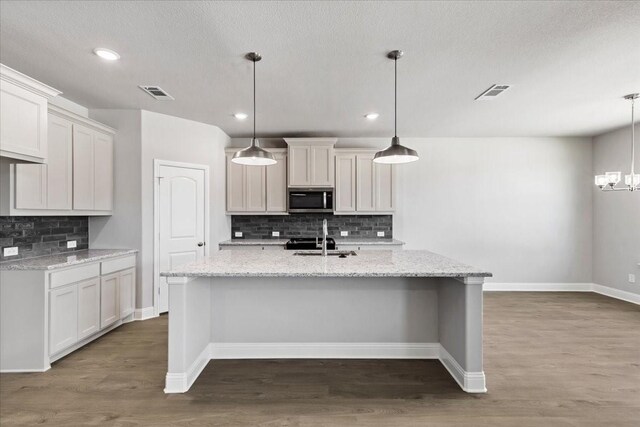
72, 275
118, 264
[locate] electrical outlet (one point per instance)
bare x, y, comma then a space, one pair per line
275, 234
632, 278
380, 233
344, 233
72, 244
237, 234
11, 251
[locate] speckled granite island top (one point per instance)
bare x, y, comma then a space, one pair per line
66, 259
408, 263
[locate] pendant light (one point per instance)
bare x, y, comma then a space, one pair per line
253, 155
609, 180
396, 153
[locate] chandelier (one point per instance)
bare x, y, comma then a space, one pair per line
610, 180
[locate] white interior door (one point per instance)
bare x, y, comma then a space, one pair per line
182, 221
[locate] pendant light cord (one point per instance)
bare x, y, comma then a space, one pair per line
395, 97
253, 141
633, 144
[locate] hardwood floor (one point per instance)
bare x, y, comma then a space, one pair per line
551, 359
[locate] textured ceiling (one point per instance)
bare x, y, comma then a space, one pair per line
324, 63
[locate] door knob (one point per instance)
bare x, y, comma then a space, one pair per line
200, 243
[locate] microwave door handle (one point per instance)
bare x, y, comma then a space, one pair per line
324, 200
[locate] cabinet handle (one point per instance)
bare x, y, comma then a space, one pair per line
200, 243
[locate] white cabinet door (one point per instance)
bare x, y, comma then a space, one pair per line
127, 292
384, 187
256, 188
31, 186
103, 172
345, 196
277, 184
83, 168
63, 320
59, 164
109, 300
365, 183
88, 308
23, 123
321, 166
236, 185
299, 164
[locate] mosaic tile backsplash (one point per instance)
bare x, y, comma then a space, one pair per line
310, 225
42, 235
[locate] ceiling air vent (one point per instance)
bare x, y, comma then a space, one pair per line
492, 92
157, 93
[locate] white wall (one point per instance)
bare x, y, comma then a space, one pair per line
519, 207
143, 136
123, 228
171, 138
616, 215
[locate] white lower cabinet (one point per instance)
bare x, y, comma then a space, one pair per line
63, 307
109, 300
88, 308
127, 292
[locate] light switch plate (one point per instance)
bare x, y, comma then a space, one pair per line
237, 234
275, 234
380, 233
11, 251
72, 244
344, 233
632, 278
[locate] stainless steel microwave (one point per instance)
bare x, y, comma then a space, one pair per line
303, 200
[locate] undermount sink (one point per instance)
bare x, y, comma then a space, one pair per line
341, 254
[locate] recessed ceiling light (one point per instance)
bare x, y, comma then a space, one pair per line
372, 116
240, 116
107, 54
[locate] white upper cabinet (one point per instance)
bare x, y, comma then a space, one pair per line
257, 189
23, 116
277, 184
363, 186
102, 172
59, 164
311, 162
82, 168
77, 178
345, 192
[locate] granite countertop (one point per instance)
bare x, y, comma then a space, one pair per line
382, 263
282, 242
254, 242
66, 259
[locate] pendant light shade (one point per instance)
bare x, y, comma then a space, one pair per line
253, 155
396, 153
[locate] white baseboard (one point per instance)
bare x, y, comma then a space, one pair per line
538, 287
616, 293
471, 382
325, 350
144, 313
182, 382
563, 287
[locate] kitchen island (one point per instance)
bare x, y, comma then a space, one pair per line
378, 304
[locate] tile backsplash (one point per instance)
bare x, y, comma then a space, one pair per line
310, 225
42, 235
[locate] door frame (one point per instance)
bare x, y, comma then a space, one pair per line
157, 163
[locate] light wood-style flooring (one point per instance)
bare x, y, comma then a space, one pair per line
551, 359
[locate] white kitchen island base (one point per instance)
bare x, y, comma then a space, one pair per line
443, 313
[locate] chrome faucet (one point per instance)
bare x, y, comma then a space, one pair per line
325, 234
